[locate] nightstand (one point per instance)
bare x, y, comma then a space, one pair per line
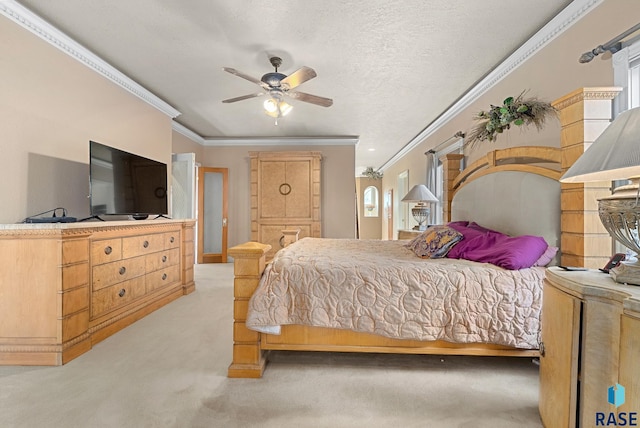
590, 343
409, 233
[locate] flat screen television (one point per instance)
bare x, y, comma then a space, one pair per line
123, 183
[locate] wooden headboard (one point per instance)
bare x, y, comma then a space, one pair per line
515, 191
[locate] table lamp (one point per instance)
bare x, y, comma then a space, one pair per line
420, 194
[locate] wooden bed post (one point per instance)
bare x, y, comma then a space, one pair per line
249, 264
584, 115
451, 169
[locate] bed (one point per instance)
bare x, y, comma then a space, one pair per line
504, 322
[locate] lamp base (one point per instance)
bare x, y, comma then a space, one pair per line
421, 227
626, 273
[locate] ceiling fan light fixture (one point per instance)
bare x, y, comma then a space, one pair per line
284, 108
270, 105
278, 86
277, 108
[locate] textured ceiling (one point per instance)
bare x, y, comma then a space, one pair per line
390, 66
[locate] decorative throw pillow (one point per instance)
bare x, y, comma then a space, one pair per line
435, 242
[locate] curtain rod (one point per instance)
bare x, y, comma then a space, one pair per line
613, 46
458, 134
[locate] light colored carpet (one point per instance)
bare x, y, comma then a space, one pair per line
169, 370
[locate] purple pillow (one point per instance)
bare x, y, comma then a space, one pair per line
547, 256
509, 252
475, 226
458, 223
468, 234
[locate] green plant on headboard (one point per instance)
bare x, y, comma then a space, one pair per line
513, 111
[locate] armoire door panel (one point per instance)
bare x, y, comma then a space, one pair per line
298, 201
272, 177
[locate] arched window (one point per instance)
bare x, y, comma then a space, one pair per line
371, 205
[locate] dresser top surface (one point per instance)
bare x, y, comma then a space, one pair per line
90, 224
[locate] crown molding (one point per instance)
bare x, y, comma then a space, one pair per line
558, 25
283, 141
181, 129
38, 26
347, 140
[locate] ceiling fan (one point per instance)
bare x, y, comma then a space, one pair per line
277, 86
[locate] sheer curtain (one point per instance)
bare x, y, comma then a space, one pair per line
434, 179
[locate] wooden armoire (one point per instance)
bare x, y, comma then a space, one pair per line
285, 195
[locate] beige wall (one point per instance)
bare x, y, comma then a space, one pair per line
51, 106
550, 74
338, 187
182, 144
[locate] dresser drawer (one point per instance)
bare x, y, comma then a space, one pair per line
118, 271
116, 295
172, 240
160, 278
75, 276
75, 301
144, 244
74, 251
162, 260
106, 250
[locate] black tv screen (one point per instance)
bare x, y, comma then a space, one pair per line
123, 183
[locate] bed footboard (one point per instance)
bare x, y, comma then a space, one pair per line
249, 263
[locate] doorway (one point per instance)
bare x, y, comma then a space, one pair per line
388, 206
402, 208
213, 188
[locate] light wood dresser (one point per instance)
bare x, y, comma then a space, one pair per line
590, 343
285, 195
65, 287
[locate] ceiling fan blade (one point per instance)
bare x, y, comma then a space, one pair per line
244, 97
298, 77
313, 99
246, 77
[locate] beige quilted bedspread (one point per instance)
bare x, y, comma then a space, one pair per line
381, 287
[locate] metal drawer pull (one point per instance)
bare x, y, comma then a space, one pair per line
122, 292
172, 239
108, 249
164, 276
164, 259
145, 244
122, 270
542, 349
281, 241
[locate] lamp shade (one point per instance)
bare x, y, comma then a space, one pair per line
419, 193
614, 155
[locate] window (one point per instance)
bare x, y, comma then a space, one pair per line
402, 208
371, 204
626, 74
435, 177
